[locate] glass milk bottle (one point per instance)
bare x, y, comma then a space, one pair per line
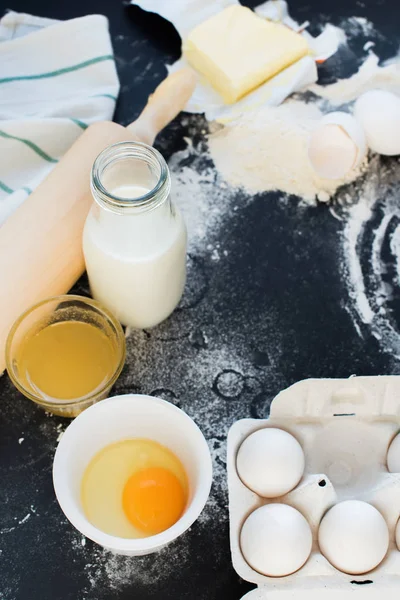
134, 239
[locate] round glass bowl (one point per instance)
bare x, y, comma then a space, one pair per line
58, 310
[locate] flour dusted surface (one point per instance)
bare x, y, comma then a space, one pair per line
269, 301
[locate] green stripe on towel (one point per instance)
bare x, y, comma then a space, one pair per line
58, 72
105, 96
8, 190
5, 188
30, 144
80, 124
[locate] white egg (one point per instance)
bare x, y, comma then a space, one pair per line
393, 456
354, 537
398, 534
378, 112
336, 146
270, 462
276, 540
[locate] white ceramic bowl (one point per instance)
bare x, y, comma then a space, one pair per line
124, 417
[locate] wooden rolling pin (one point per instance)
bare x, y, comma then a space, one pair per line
41, 243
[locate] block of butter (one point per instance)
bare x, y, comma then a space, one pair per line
237, 51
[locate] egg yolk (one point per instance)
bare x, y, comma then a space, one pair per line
153, 500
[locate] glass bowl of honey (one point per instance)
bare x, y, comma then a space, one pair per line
65, 353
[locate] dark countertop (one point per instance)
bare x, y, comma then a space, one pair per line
274, 311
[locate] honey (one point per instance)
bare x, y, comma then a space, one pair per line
66, 360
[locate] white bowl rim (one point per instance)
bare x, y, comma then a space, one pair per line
140, 545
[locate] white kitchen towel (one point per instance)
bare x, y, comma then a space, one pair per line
56, 77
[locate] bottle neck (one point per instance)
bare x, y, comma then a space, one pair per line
130, 178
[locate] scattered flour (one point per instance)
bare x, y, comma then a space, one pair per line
371, 253
60, 431
24, 520
200, 193
356, 26
357, 215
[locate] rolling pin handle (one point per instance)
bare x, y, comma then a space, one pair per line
164, 104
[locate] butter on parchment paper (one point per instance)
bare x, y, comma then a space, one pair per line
237, 51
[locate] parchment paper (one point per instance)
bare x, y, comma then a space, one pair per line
187, 14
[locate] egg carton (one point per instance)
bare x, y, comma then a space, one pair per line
345, 427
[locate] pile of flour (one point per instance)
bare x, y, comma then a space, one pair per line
267, 150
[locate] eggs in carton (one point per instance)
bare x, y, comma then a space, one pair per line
314, 491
